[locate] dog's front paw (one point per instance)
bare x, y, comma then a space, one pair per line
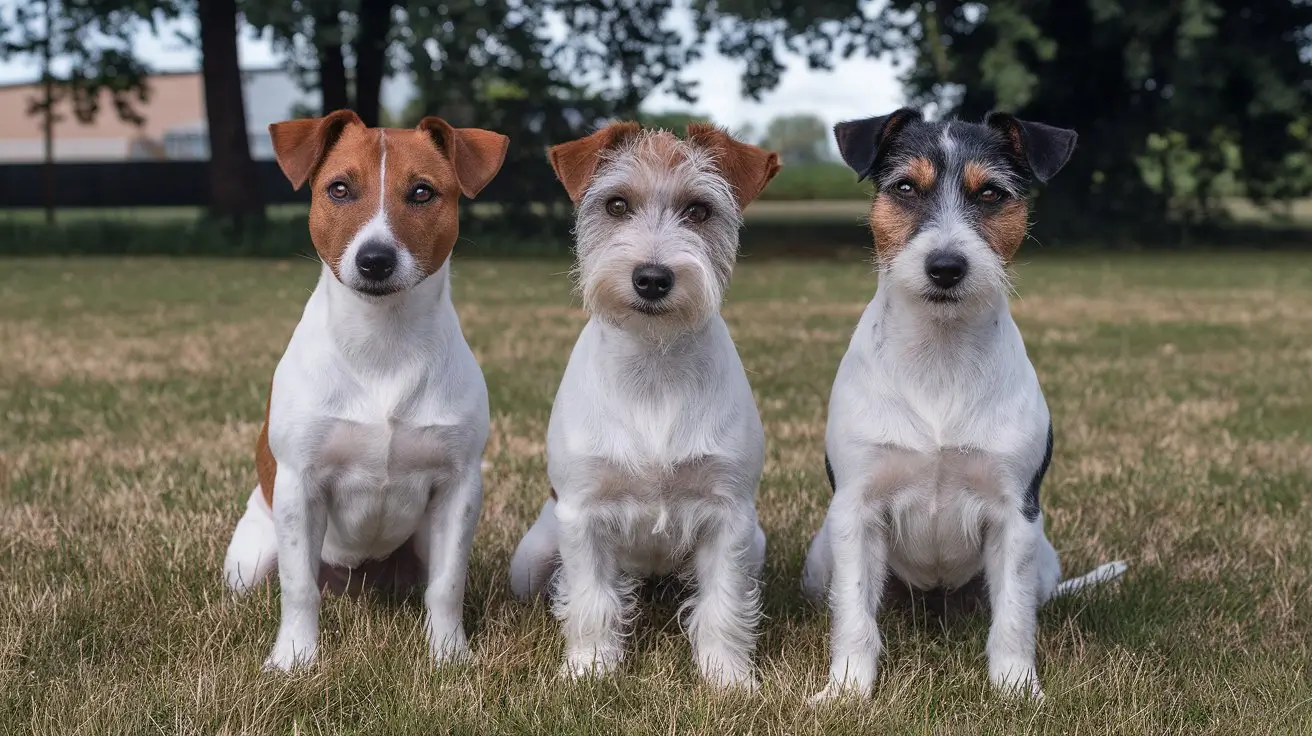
726, 678
289, 655
835, 692
598, 662
449, 647
1016, 678
729, 673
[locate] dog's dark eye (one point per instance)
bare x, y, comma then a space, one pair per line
339, 190
421, 194
989, 194
697, 212
905, 188
617, 207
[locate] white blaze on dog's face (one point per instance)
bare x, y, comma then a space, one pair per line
384, 201
951, 208
658, 219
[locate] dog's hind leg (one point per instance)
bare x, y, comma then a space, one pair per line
756, 556
537, 556
253, 551
1047, 568
819, 564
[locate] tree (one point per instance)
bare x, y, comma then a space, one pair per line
235, 195
328, 41
375, 18
339, 47
799, 139
626, 49
93, 41
1176, 104
675, 121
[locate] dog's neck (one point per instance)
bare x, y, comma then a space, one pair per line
406, 322
657, 357
910, 325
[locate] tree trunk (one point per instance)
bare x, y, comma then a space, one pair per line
371, 58
332, 66
234, 181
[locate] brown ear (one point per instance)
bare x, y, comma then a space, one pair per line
300, 145
476, 154
747, 168
575, 162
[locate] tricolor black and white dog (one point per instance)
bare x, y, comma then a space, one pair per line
939, 436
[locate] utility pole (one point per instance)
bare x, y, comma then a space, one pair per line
48, 111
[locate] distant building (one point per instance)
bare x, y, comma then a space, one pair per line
174, 125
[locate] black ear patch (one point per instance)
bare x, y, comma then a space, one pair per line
1043, 148
862, 142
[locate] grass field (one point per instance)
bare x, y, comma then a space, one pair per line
131, 393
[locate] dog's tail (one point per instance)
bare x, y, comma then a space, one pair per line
1101, 574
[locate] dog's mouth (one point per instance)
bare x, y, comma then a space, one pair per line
651, 309
942, 297
379, 290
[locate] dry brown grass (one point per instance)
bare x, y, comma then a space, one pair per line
131, 391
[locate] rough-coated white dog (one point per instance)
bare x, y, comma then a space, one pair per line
655, 445
369, 460
939, 435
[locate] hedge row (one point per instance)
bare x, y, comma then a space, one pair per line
287, 238
829, 181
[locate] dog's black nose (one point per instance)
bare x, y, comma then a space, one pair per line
945, 269
376, 261
653, 283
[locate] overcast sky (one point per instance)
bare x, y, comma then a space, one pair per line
857, 88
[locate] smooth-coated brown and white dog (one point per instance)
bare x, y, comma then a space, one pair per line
370, 456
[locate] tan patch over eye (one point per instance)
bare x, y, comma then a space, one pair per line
921, 171
974, 176
1005, 229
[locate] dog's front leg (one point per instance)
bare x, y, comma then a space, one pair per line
443, 542
727, 608
859, 544
301, 518
590, 599
1009, 567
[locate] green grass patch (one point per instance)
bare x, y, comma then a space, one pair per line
132, 389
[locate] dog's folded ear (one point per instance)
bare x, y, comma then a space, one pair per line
301, 145
576, 161
747, 168
1043, 148
863, 142
476, 154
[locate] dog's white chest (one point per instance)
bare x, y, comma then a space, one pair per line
377, 480
658, 449
938, 505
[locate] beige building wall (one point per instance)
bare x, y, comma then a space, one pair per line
176, 100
